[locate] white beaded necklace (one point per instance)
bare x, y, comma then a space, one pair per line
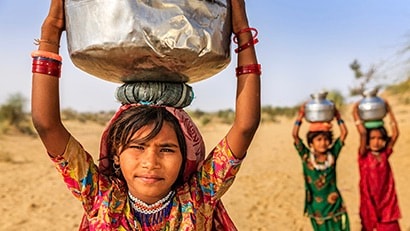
144, 208
329, 161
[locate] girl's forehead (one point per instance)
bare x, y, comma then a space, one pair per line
377, 135
143, 131
166, 130
375, 132
320, 136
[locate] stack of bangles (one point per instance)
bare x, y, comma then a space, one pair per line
249, 68
45, 62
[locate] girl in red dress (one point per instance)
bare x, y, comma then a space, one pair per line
379, 209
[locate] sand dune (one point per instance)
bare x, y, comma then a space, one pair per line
268, 193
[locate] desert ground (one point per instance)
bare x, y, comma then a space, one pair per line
268, 193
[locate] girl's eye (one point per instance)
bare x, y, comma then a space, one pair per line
138, 147
167, 150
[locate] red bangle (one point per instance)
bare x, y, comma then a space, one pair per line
46, 66
244, 30
246, 45
248, 69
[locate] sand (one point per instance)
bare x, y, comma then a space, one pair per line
268, 193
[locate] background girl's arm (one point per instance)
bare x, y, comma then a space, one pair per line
45, 106
342, 126
360, 128
247, 116
394, 127
298, 122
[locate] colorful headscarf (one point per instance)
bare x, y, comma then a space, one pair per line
195, 156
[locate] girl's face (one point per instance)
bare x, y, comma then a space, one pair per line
320, 144
151, 168
376, 141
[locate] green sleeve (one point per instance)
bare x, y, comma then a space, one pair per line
301, 148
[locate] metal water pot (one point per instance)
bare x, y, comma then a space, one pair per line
372, 107
142, 40
319, 109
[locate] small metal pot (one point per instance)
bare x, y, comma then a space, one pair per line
372, 107
141, 40
319, 109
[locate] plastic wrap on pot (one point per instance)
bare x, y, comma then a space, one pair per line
145, 40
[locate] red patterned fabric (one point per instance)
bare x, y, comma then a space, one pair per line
378, 199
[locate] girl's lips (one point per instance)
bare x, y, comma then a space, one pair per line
149, 178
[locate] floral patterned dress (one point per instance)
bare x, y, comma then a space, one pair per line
106, 203
323, 201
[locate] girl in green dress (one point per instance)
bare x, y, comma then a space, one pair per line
323, 203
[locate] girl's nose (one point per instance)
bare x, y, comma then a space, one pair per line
150, 159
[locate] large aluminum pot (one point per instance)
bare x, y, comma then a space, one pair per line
154, 40
372, 107
319, 109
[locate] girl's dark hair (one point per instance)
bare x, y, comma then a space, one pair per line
382, 131
311, 135
130, 121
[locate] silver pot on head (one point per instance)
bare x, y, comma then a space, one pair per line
139, 40
319, 109
372, 107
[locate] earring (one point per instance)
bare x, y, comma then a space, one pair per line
117, 169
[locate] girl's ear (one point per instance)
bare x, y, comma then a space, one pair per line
116, 160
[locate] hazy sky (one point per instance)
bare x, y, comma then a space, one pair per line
305, 46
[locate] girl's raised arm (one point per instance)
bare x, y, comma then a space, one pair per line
45, 104
342, 125
394, 126
360, 128
247, 116
298, 122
